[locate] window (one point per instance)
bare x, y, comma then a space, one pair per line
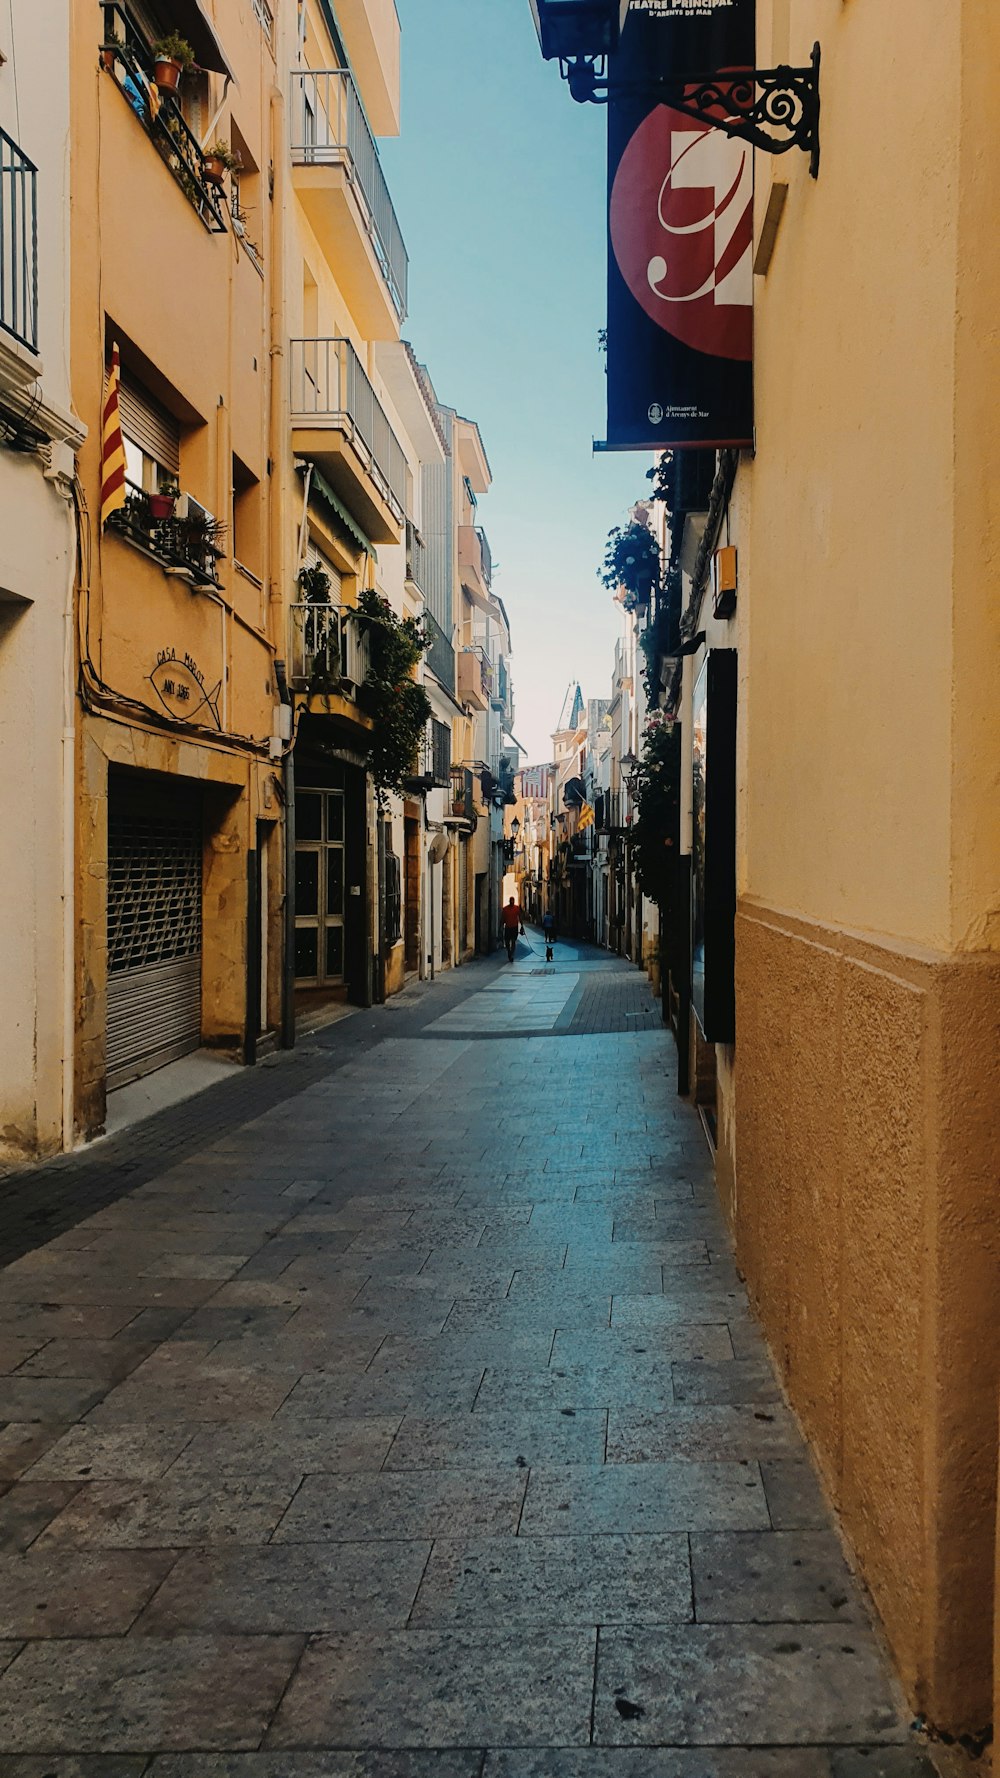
393, 899
247, 519
152, 439
440, 752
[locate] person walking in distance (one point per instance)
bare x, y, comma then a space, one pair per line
513, 923
549, 930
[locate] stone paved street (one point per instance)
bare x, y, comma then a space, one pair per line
415, 1423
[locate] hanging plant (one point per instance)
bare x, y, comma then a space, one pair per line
314, 584
400, 708
632, 563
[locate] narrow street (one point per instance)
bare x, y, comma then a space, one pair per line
418, 1424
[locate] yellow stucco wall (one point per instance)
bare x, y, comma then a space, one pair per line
860, 1114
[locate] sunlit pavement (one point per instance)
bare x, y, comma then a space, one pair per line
418, 1425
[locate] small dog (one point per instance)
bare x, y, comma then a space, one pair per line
548, 953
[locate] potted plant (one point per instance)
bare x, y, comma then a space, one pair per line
161, 504
632, 563
172, 56
219, 160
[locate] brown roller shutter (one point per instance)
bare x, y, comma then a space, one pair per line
149, 425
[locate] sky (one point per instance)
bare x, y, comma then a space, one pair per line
498, 180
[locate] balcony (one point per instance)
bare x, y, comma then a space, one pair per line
475, 678
339, 180
475, 564
329, 648
463, 793
416, 551
128, 59
186, 544
18, 245
339, 423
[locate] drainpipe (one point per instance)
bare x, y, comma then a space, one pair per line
288, 905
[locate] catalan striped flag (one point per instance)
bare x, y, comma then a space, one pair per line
112, 445
586, 818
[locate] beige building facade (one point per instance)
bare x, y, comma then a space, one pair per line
39, 436
856, 1110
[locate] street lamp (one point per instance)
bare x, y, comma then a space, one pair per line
515, 828
630, 770
775, 109
569, 28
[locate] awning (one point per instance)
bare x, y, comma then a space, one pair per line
320, 489
190, 19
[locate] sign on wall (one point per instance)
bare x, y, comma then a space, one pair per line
680, 225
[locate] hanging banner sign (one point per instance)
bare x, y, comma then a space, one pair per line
680, 248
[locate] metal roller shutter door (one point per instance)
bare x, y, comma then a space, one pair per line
154, 927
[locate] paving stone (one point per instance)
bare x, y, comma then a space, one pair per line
27, 1399
113, 1292
429, 1688
529, 1348
71, 1593
103, 1361
496, 1437
171, 1514
623, 1346
743, 1685
644, 1435
383, 1764
232, 1394
503, 1323
22, 1445
772, 1577
284, 1452
556, 1580
693, 1300
734, 1380
27, 1508
641, 1380
248, 1323
128, 1453
113, 1696
290, 1587
426, 1504
882, 1762
794, 1497
385, 1389
644, 1497
15, 1350
57, 1765
620, 1762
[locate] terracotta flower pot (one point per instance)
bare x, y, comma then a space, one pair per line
108, 60
167, 74
214, 170
161, 506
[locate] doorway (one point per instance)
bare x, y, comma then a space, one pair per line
319, 888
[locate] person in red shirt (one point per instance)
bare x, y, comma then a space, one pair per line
513, 923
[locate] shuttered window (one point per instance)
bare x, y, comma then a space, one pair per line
148, 425
316, 559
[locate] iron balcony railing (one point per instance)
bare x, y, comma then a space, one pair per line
485, 555
330, 388
128, 58
329, 128
190, 546
329, 644
18, 244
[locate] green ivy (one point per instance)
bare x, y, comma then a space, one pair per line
656, 825
398, 706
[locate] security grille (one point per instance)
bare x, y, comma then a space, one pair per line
393, 898
154, 929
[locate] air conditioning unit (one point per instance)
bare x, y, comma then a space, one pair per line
187, 507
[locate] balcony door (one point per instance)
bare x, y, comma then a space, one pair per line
319, 888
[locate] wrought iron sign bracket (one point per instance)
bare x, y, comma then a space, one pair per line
775, 109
